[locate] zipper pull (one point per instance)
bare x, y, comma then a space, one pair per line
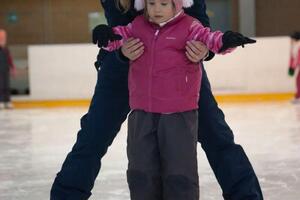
156, 32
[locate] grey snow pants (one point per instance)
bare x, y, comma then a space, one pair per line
162, 155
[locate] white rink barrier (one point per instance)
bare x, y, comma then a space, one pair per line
59, 72
62, 72
258, 68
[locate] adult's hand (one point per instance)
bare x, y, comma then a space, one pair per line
196, 51
132, 48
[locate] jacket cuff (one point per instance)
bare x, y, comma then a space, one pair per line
209, 56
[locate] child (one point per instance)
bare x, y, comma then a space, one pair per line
164, 90
6, 66
295, 62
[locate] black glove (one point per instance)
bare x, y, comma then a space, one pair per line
233, 39
210, 56
102, 34
291, 71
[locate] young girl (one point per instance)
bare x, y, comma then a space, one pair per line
295, 62
164, 90
6, 66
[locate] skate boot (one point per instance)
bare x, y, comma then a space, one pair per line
8, 105
2, 106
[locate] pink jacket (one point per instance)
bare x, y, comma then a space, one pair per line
295, 55
9, 58
163, 80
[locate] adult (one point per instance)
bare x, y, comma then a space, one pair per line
7, 67
295, 63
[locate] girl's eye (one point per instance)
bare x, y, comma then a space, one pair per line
151, 3
164, 4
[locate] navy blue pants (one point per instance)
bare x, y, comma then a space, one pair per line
4, 85
109, 109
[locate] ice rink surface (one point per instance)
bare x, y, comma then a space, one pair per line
34, 143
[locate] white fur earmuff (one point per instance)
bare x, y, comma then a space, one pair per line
140, 4
187, 3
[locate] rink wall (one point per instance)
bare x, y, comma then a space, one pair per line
66, 72
59, 72
258, 68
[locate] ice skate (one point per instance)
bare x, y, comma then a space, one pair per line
8, 105
2, 106
296, 101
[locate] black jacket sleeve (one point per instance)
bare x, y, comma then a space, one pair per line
198, 11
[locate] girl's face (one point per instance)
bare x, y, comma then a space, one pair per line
160, 10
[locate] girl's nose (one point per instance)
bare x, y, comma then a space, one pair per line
157, 8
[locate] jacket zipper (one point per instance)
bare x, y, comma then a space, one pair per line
151, 67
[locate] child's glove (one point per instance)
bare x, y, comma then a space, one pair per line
233, 39
102, 34
291, 71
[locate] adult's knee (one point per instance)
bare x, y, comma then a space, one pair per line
215, 138
83, 120
94, 138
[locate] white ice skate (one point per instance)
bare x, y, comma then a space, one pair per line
296, 101
2, 106
8, 105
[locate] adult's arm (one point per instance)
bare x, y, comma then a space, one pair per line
198, 11
115, 16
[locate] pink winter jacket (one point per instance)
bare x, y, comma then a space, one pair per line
295, 56
163, 80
